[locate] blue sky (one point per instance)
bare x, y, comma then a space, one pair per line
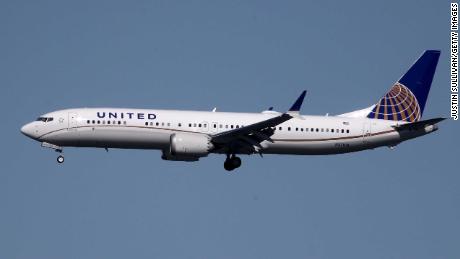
236, 56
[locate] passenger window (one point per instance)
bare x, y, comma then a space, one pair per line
94, 121
180, 124
348, 131
280, 128
317, 129
237, 126
146, 123
342, 130
231, 126
220, 126
199, 125
87, 122
108, 122
119, 122
98, 122
296, 129
158, 124
215, 126
332, 130
289, 128
301, 129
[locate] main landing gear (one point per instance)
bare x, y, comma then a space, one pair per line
232, 162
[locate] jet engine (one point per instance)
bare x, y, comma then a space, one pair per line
187, 147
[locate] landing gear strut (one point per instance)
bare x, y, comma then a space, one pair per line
232, 162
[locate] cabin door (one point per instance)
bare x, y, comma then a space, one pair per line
366, 132
72, 119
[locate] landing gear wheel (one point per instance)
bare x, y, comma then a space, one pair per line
228, 165
236, 162
232, 162
60, 159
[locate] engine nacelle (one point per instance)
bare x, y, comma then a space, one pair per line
188, 147
167, 156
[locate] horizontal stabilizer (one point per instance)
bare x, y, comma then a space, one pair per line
418, 124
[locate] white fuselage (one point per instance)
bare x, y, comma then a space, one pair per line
152, 129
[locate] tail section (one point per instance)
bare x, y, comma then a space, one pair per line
406, 99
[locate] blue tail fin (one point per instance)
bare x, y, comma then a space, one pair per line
406, 99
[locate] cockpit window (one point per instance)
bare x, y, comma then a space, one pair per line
45, 119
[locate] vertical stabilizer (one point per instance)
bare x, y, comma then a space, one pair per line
407, 98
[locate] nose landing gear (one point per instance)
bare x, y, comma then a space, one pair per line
232, 162
60, 159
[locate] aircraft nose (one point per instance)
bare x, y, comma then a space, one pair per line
27, 130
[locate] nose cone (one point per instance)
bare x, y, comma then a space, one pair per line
28, 130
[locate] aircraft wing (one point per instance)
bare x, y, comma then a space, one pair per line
231, 135
247, 139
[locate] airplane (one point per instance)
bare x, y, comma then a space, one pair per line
191, 135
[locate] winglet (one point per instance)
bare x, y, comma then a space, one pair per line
298, 103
